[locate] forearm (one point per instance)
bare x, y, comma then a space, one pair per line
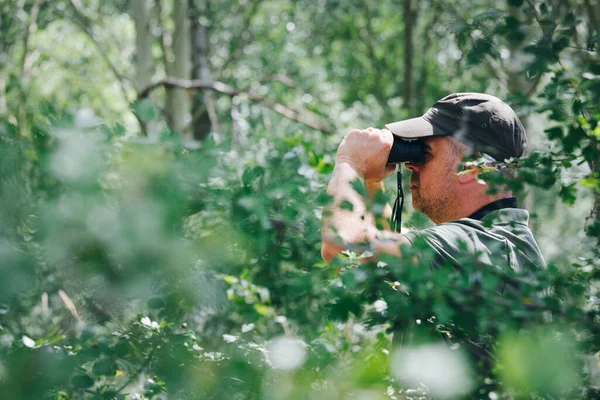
382, 213
347, 222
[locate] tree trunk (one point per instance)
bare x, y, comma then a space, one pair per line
422, 100
144, 63
409, 25
202, 107
179, 103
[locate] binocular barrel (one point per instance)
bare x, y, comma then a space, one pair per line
405, 151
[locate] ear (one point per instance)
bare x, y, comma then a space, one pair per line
468, 173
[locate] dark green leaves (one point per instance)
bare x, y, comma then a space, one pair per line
346, 205
343, 307
481, 48
554, 133
512, 29
359, 187
568, 193
82, 381
104, 367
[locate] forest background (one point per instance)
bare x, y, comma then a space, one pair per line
162, 175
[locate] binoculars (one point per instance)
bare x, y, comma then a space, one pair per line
405, 151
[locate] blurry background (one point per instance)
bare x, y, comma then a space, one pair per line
162, 174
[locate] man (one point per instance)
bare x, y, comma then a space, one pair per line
471, 223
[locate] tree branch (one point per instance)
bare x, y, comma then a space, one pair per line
137, 373
288, 82
220, 87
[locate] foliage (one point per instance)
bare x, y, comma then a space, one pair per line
141, 267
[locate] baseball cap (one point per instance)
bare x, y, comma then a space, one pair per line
481, 121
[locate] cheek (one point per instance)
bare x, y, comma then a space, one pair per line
432, 179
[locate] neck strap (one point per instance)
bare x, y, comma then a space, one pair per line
399, 203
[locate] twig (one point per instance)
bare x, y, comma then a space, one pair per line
68, 304
141, 369
593, 211
534, 87
220, 87
289, 82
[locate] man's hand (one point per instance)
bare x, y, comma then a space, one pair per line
362, 155
367, 151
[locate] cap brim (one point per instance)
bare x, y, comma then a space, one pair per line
412, 128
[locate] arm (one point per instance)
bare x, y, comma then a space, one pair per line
362, 156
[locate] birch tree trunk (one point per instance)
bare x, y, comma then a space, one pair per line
144, 63
179, 102
202, 106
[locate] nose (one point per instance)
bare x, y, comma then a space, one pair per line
413, 167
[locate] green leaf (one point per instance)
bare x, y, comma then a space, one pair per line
561, 43
577, 106
251, 175
515, 3
82, 381
568, 194
346, 205
591, 182
144, 110
358, 186
105, 367
325, 167
263, 310
573, 138
313, 158
554, 133
122, 349
343, 307
481, 48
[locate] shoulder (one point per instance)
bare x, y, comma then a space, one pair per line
449, 230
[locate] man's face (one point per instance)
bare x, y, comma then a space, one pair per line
433, 183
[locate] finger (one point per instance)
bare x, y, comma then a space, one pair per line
389, 136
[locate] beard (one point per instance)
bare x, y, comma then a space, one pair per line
431, 200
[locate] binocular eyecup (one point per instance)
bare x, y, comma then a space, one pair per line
405, 151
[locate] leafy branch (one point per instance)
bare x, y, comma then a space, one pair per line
137, 373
